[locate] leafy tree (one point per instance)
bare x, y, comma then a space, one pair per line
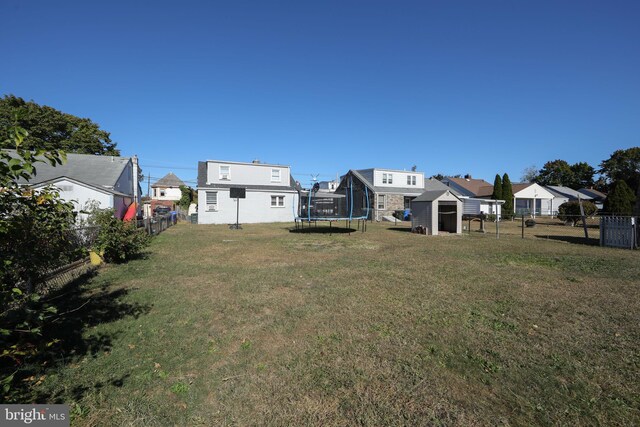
623, 165
556, 172
50, 129
35, 236
186, 198
620, 200
570, 211
530, 174
497, 188
582, 175
507, 195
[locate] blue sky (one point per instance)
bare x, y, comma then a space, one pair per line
479, 87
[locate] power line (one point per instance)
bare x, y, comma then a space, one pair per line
168, 167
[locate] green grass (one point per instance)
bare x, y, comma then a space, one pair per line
263, 326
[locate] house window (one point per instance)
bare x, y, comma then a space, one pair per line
162, 193
390, 178
225, 173
384, 178
381, 201
387, 178
407, 202
413, 180
275, 175
277, 201
212, 200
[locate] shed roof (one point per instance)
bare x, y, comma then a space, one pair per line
169, 180
433, 195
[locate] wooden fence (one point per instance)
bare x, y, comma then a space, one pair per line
618, 231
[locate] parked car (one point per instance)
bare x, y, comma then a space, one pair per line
161, 210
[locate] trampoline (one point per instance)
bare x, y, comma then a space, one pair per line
350, 202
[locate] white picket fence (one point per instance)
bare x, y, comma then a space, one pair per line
618, 231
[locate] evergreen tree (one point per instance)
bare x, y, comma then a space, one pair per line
497, 188
507, 196
621, 199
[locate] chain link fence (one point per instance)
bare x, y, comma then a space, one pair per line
604, 230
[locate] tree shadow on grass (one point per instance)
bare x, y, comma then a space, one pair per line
402, 229
572, 239
81, 306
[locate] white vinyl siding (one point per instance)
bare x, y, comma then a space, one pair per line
277, 201
275, 175
212, 200
225, 173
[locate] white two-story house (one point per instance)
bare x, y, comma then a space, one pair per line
389, 190
270, 192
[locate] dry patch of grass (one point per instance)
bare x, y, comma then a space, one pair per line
263, 326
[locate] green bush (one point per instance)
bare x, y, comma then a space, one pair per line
117, 240
570, 211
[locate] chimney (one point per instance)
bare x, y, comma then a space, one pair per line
134, 161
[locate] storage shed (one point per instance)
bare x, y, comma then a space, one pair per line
437, 211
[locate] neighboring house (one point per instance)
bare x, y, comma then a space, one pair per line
86, 180
597, 197
476, 196
437, 211
271, 192
469, 187
328, 186
166, 191
388, 189
563, 195
532, 199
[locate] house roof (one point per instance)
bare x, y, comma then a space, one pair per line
254, 163
169, 180
202, 181
432, 195
478, 187
84, 184
433, 184
594, 194
520, 186
385, 190
101, 171
561, 191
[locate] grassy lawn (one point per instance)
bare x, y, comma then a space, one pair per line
262, 326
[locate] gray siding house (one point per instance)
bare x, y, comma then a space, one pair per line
86, 179
271, 193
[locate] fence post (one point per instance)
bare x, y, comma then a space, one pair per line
523, 225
